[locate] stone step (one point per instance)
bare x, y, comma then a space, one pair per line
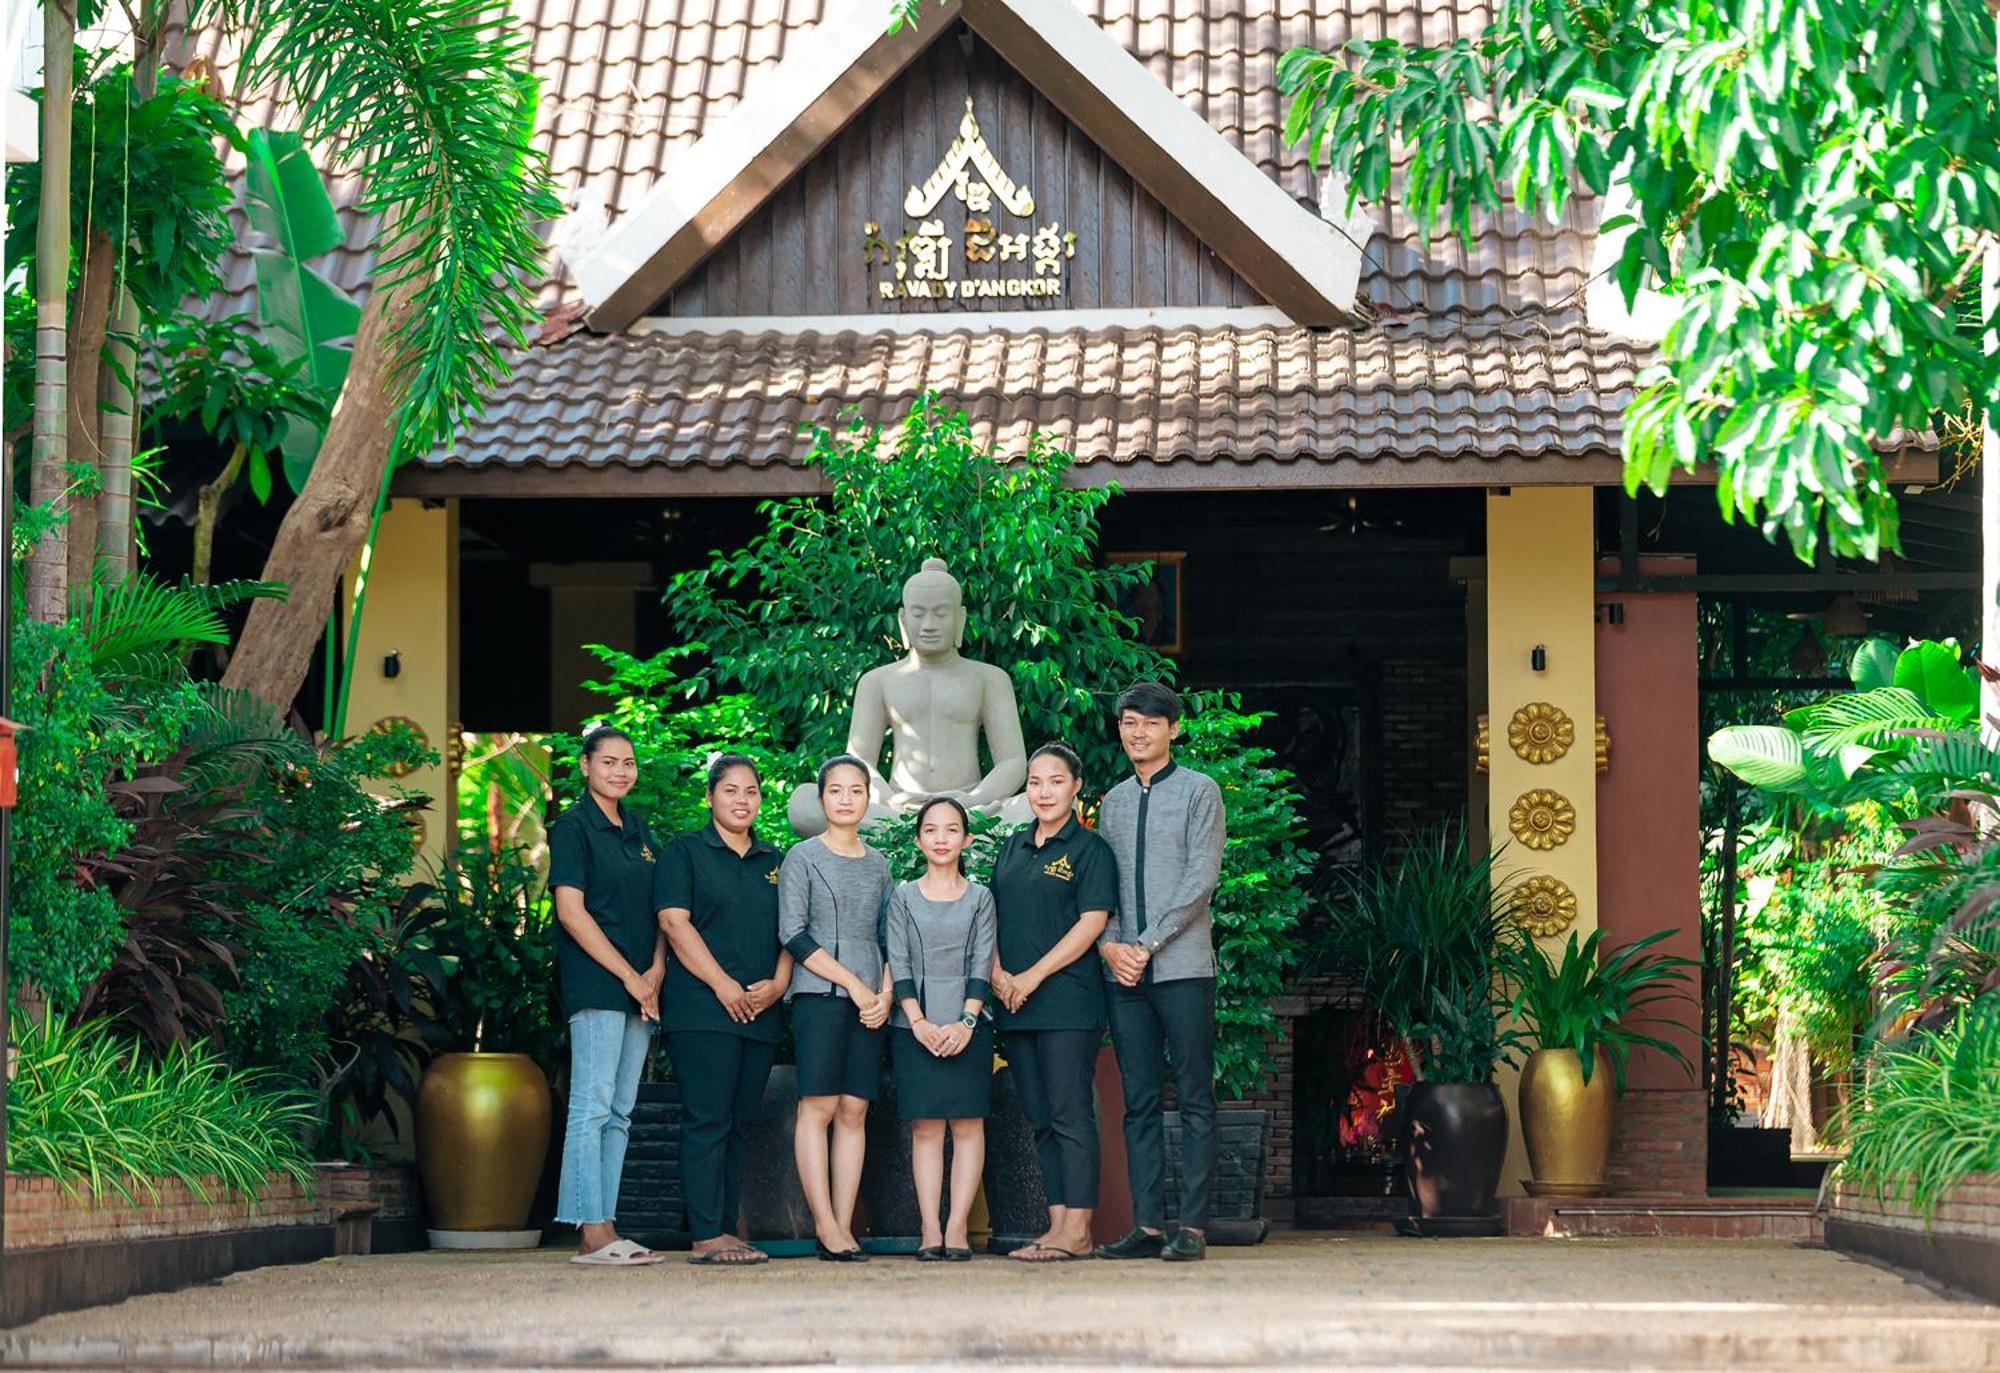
1442, 1335
1776, 1218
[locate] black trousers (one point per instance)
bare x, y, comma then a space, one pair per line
1054, 1071
1149, 1023
722, 1085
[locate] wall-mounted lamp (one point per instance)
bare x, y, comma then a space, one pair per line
1538, 659
392, 664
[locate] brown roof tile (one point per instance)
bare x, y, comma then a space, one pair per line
1152, 395
627, 84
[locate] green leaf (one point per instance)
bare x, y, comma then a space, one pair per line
306, 316
1932, 672
258, 469
1765, 756
1873, 665
286, 199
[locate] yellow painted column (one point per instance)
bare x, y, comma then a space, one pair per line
406, 658
1541, 691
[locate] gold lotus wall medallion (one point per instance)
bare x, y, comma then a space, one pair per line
402, 767
1482, 743
1544, 905
1603, 742
1542, 819
1540, 732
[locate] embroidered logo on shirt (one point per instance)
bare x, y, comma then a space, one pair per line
646, 852
1061, 868
772, 877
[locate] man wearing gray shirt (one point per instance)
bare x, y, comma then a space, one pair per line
1165, 826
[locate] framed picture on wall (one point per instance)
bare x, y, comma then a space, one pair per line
1158, 604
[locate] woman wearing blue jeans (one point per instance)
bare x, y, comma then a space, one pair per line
601, 871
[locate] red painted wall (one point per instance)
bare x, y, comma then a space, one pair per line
1648, 803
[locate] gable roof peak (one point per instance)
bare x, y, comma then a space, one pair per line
1294, 258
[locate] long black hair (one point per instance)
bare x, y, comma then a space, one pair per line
964, 823
1060, 749
840, 760
719, 766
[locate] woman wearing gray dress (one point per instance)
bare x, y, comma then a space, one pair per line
830, 896
940, 933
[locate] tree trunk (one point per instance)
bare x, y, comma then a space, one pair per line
1790, 1106
90, 323
328, 523
119, 414
207, 509
1989, 486
48, 480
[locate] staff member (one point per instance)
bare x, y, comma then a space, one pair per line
716, 889
830, 894
1055, 885
940, 933
1166, 827
601, 871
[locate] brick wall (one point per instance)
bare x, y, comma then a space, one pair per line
41, 1215
649, 1194
1970, 1208
393, 1188
1239, 1158
1419, 742
1659, 1145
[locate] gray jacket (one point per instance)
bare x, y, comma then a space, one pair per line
832, 903
1168, 840
941, 952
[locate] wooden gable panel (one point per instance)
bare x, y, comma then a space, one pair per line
803, 252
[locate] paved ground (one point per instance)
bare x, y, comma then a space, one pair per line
1361, 1302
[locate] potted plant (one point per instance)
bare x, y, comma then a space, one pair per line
483, 1112
1423, 942
1582, 1015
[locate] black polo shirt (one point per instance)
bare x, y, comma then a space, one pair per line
612, 865
734, 902
1040, 893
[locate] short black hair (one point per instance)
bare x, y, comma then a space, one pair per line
723, 762
1060, 749
1152, 699
839, 760
597, 738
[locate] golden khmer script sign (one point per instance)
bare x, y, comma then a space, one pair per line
933, 258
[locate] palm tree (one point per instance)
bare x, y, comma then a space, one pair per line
429, 101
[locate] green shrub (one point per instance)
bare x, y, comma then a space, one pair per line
780, 631
93, 1109
1929, 1114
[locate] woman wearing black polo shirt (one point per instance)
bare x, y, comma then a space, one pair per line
1055, 884
601, 871
717, 893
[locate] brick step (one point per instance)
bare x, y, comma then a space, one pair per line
1792, 1218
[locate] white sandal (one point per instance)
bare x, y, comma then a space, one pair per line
620, 1254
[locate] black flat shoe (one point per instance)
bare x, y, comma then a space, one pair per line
838, 1255
957, 1255
932, 1253
1137, 1244
1187, 1246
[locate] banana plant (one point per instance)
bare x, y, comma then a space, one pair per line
1910, 724
309, 321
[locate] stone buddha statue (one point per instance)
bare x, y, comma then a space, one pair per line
935, 705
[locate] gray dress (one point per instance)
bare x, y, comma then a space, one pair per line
940, 953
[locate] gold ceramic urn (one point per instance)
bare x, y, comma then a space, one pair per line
482, 1134
1565, 1123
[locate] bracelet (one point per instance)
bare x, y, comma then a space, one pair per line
969, 1019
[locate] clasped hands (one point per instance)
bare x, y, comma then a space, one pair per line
745, 1004
942, 1040
1014, 989
1126, 961
644, 988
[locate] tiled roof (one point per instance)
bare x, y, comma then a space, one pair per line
1159, 395
627, 84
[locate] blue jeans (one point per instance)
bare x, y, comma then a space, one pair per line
607, 1052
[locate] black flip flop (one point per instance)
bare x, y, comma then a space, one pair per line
713, 1258
1055, 1255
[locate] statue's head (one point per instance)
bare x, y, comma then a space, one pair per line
933, 616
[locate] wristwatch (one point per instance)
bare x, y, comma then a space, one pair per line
969, 1019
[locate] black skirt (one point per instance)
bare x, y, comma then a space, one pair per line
837, 1055
933, 1088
